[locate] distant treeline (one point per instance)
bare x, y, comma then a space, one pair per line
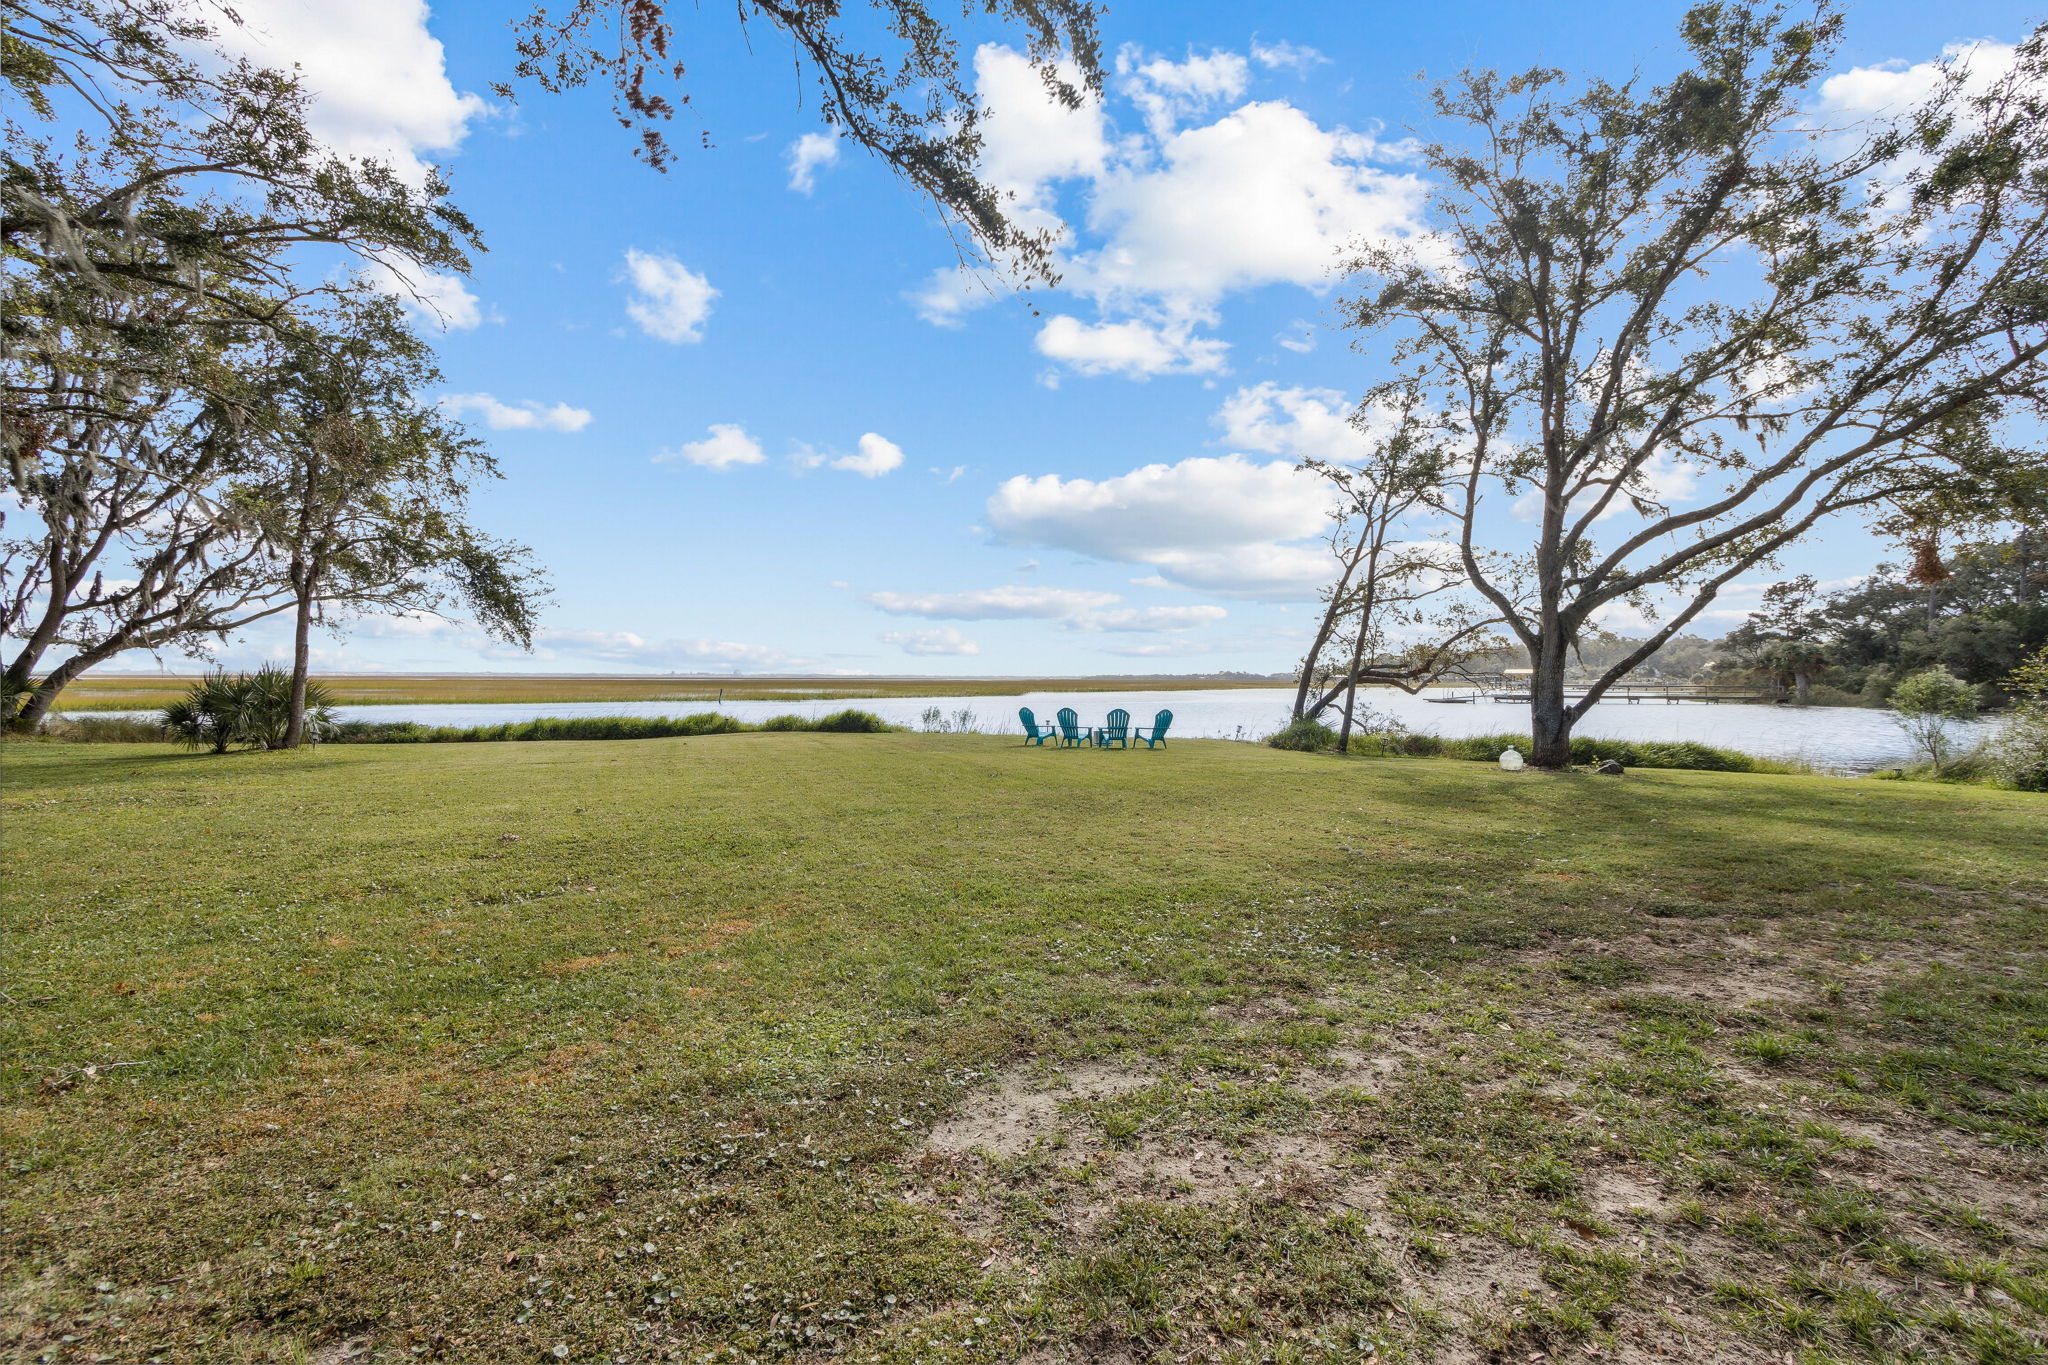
1979, 612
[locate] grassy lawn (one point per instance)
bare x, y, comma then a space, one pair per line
115, 692
907, 1048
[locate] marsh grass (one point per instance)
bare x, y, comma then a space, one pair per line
115, 692
635, 1051
603, 728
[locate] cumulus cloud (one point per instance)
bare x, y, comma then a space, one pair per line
1167, 92
806, 155
1301, 423
1136, 350
442, 302
670, 301
1173, 219
1851, 101
1205, 503
1889, 89
1229, 525
992, 604
378, 78
1128, 620
526, 415
944, 640
875, 457
726, 447
1030, 139
1264, 195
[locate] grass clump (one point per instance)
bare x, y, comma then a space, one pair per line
1303, 735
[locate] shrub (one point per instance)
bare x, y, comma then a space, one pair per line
1635, 753
1304, 736
101, 730
254, 709
2018, 753
207, 715
851, 722
1927, 703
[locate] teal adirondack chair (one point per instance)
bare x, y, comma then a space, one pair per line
1116, 730
1034, 733
1072, 733
1153, 736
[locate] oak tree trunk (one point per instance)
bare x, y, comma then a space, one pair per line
1550, 717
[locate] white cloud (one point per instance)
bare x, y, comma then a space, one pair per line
951, 294
1204, 503
1146, 619
625, 647
1893, 88
1172, 220
1300, 423
1300, 337
1166, 92
876, 457
1030, 139
671, 301
1262, 196
1268, 572
1295, 57
944, 640
527, 415
1222, 525
442, 302
993, 604
727, 446
1136, 350
1851, 101
378, 77
806, 155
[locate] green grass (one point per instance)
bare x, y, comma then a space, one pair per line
677, 1049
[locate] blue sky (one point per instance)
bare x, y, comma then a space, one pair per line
748, 424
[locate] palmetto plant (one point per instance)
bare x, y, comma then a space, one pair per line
208, 715
246, 708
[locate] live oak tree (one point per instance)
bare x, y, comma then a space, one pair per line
362, 507
134, 530
895, 87
164, 219
1632, 289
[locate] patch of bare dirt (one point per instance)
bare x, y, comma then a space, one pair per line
1625, 1196
1023, 1108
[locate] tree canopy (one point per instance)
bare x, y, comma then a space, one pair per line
1680, 326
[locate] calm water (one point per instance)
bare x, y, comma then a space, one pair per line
1838, 739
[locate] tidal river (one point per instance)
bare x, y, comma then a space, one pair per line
1834, 739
